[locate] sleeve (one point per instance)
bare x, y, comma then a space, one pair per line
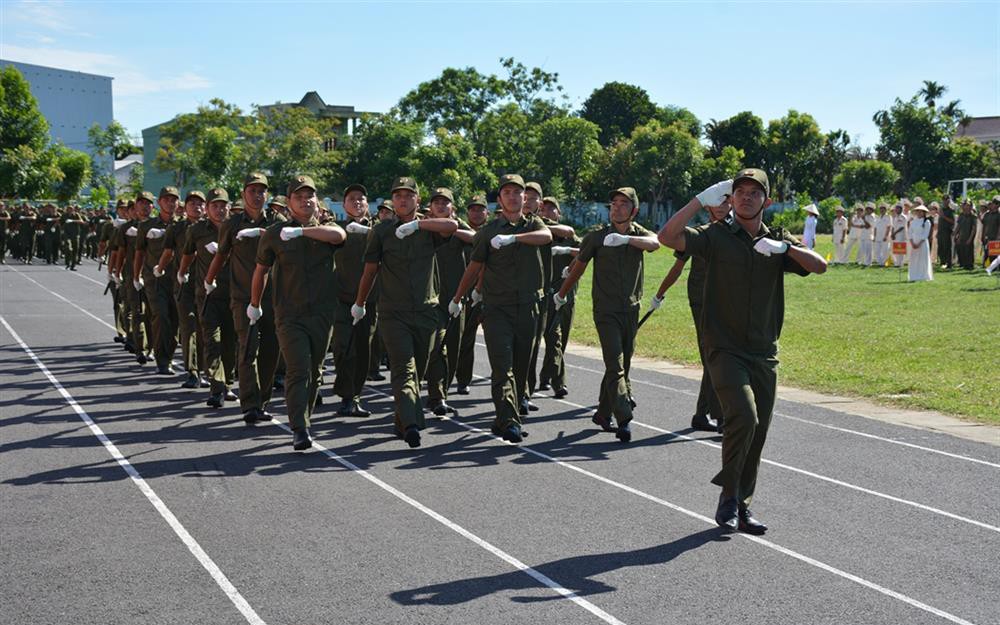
681, 255
588, 248
642, 232
373, 247
696, 242
265, 249
481, 246
190, 247
535, 224
790, 265
226, 234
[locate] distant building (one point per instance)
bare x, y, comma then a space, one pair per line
71, 101
124, 167
982, 129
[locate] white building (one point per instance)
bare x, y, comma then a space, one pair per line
123, 169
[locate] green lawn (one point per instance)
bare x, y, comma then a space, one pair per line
862, 332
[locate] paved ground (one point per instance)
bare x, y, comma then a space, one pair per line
124, 500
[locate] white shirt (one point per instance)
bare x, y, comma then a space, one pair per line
809, 233
839, 225
883, 225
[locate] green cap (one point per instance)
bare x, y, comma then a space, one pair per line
355, 187
279, 200
444, 192
238, 206
165, 191
757, 175
507, 179
534, 186
195, 193
254, 177
386, 204
301, 182
551, 200
477, 200
145, 195
218, 194
628, 192
405, 183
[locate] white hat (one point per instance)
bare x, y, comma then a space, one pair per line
811, 208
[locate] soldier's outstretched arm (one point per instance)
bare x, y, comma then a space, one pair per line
257, 284
562, 231
470, 277
671, 277
440, 225
542, 236
332, 234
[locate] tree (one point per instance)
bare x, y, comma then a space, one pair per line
865, 180
743, 131
931, 91
27, 164
661, 159
835, 152
100, 197
970, 159
524, 86
670, 114
617, 108
451, 161
194, 146
75, 168
509, 140
134, 185
380, 150
794, 143
713, 169
28, 172
290, 141
455, 100
568, 151
107, 145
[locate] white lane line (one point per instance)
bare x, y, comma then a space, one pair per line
761, 541
503, 555
203, 558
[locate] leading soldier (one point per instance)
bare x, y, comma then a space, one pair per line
158, 289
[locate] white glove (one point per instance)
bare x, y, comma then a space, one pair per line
501, 240
715, 194
356, 228
249, 233
559, 301
358, 313
454, 308
212, 247
565, 272
131, 231
254, 313
182, 278
117, 222
560, 250
209, 286
137, 284
476, 296
614, 239
770, 246
407, 229
157, 271
116, 279
655, 303
290, 233
155, 233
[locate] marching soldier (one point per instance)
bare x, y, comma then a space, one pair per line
124, 270
378, 355
73, 223
617, 251
107, 250
477, 214
991, 227
564, 249
51, 233
158, 288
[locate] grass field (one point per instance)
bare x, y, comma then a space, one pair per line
862, 332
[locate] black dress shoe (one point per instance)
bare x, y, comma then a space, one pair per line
301, 439
750, 525
631, 401
522, 408
704, 423
412, 436
128, 346
166, 370
192, 381
345, 409
560, 393
443, 409
376, 377
531, 406
357, 410
624, 433
252, 416
141, 359
462, 390
721, 425
602, 421
231, 396
726, 513
544, 386
119, 339
512, 434
215, 400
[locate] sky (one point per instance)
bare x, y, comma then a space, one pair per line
839, 61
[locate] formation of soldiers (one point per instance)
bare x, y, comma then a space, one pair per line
50, 235
956, 238
255, 295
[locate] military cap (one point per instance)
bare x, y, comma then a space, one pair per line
628, 192
254, 177
444, 192
279, 200
534, 186
477, 200
757, 175
405, 183
218, 194
355, 187
507, 179
195, 193
301, 182
551, 200
145, 195
165, 191
238, 206
387, 204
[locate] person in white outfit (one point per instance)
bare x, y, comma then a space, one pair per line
867, 236
898, 233
809, 232
854, 231
883, 228
920, 245
840, 227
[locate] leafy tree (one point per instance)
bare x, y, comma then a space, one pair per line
28, 172
835, 152
568, 151
931, 91
455, 100
794, 143
617, 108
193, 146
75, 168
134, 186
106, 146
380, 150
100, 197
509, 140
451, 161
743, 131
670, 114
661, 161
525, 86
713, 169
968, 158
865, 180
27, 164
292, 140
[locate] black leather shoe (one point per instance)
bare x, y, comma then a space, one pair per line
603, 422
522, 408
726, 513
358, 411
750, 525
252, 416
560, 393
119, 339
141, 359
215, 400
167, 370
721, 425
544, 386
376, 377
231, 396
345, 409
532, 407
301, 439
443, 409
412, 436
512, 434
704, 423
192, 381
624, 433
462, 390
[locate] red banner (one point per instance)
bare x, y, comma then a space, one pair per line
994, 248
899, 248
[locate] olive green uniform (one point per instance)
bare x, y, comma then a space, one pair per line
108, 236
553, 366
452, 255
26, 233
545, 253
991, 232
256, 370
303, 293
216, 320
741, 318
71, 237
159, 292
133, 315
512, 288
352, 344
965, 233
51, 236
407, 308
4, 225
708, 403
189, 333
617, 293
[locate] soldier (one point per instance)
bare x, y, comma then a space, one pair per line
352, 343
298, 255
883, 228
840, 227
401, 253
378, 355
945, 232
134, 302
158, 288
965, 235
51, 233
564, 250
201, 243
476, 213
26, 233
452, 255
742, 315
506, 251
617, 251
991, 228
898, 234
4, 226
107, 250
72, 223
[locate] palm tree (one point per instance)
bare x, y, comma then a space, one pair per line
931, 91
952, 109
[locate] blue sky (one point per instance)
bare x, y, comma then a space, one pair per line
839, 61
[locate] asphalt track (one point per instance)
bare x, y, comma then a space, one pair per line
123, 499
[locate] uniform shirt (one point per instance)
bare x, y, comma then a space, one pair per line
870, 222
174, 240
991, 225
696, 278
545, 252
857, 226
71, 229
452, 254
945, 228
151, 248
883, 225
301, 271
744, 295
197, 237
126, 242
349, 262
408, 269
898, 223
243, 252
839, 226
966, 227
512, 274
617, 281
